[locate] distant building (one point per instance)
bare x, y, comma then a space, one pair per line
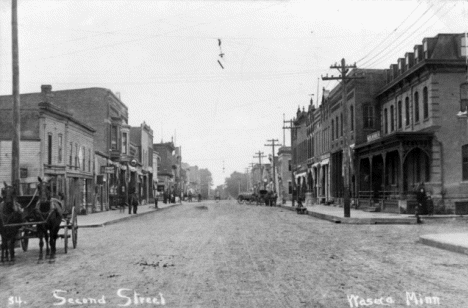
284, 173
141, 176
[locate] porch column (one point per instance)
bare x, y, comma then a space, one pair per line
400, 175
384, 157
371, 186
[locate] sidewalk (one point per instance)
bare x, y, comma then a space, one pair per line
102, 219
336, 214
457, 242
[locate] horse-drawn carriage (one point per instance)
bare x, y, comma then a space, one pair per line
266, 197
37, 216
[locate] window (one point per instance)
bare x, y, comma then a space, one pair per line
392, 118
124, 143
77, 162
333, 129
385, 121
425, 103
400, 115
289, 187
337, 128
89, 160
49, 149
84, 159
289, 165
114, 133
464, 47
465, 162
351, 113
71, 154
407, 113
368, 116
59, 156
416, 107
341, 123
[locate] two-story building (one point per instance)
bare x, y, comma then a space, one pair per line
54, 145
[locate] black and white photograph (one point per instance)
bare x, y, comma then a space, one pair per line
233, 153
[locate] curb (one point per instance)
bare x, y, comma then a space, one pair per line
114, 221
358, 221
427, 240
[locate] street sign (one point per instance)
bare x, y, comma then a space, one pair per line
105, 169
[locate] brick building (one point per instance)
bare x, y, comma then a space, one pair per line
166, 166
141, 176
418, 136
54, 145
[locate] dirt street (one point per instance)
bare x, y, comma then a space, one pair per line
229, 255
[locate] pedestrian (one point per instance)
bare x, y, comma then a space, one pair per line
156, 196
133, 201
421, 200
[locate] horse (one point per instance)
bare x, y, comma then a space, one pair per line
10, 213
48, 212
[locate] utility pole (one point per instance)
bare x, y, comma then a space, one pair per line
15, 144
260, 156
252, 165
344, 69
273, 160
292, 128
247, 178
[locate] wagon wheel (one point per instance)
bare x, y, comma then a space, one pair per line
65, 235
74, 228
24, 240
240, 200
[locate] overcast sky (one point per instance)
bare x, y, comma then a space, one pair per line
161, 56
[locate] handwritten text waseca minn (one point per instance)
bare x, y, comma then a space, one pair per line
124, 294
412, 299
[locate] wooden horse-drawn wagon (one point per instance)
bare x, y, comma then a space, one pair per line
69, 223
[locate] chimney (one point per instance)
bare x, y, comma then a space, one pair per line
46, 92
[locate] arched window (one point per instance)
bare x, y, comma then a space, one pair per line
385, 121
425, 103
407, 113
416, 107
368, 115
392, 118
400, 115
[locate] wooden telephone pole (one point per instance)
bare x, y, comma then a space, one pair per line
260, 156
273, 159
16, 131
293, 182
344, 69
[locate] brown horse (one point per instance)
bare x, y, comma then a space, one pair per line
48, 213
10, 213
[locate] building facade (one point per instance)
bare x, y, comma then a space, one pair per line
55, 146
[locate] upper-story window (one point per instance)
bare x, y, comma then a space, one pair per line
89, 160
49, 149
400, 114
60, 148
84, 158
341, 124
385, 121
425, 103
465, 162
416, 107
464, 47
114, 137
124, 143
337, 128
407, 111
332, 129
351, 113
71, 154
392, 118
368, 116
77, 160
